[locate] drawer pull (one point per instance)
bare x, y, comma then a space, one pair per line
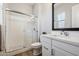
46, 48
52, 52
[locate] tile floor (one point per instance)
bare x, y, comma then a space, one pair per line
27, 53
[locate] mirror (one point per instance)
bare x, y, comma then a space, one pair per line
66, 16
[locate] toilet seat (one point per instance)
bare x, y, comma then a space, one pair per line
36, 45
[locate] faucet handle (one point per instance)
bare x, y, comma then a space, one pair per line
66, 33
61, 33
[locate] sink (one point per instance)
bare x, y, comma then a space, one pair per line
53, 35
65, 38
59, 36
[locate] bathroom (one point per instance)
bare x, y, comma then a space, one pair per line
32, 29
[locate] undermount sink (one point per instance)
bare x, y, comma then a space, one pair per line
59, 36
65, 38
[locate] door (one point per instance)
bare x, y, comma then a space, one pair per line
15, 28
19, 31
60, 52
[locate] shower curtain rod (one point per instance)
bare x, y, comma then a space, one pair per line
19, 12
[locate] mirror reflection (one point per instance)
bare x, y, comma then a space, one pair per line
66, 15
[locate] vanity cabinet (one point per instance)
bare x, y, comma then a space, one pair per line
53, 46
61, 51
71, 49
46, 46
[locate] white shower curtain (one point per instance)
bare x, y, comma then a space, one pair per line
18, 32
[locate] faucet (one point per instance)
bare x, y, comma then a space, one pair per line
64, 33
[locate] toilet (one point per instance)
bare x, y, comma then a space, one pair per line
36, 48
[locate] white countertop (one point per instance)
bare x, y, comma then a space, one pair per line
65, 39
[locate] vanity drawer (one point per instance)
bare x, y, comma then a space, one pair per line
59, 52
66, 47
45, 39
47, 45
46, 48
46, 51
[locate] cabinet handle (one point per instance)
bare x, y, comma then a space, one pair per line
52, 51
46, 48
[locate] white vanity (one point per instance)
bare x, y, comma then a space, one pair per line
53, 45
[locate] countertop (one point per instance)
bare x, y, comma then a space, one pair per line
69, 40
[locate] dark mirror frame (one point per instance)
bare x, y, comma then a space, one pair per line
60, 29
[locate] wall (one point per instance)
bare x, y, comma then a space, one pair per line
45, 18
75, 15
35, 11
22, 7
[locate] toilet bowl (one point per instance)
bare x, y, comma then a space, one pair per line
36, 48
36, 45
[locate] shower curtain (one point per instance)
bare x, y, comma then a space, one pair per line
18, 32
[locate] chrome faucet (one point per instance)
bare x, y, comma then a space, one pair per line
64, 33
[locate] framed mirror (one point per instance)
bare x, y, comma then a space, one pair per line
65, 16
